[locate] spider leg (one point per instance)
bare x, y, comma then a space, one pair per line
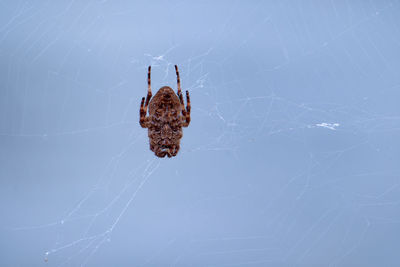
148, 88
188, 106
185, 112
144, 121
142, 114
182, 105
143, 105
178, 80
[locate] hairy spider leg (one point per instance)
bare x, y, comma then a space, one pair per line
185, 111
148, 88
188, 106
179, 93
182, 105
143, 106
178, 80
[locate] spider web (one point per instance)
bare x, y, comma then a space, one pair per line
291, 157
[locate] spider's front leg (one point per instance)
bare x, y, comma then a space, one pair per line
185, 111
144, 121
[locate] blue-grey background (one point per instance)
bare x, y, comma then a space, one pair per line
291, 159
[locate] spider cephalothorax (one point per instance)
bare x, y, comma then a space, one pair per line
167, 116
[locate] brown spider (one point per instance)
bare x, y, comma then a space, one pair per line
167, 116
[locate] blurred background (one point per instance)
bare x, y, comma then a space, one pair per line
291, 158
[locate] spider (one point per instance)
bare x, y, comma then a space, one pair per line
167, 116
